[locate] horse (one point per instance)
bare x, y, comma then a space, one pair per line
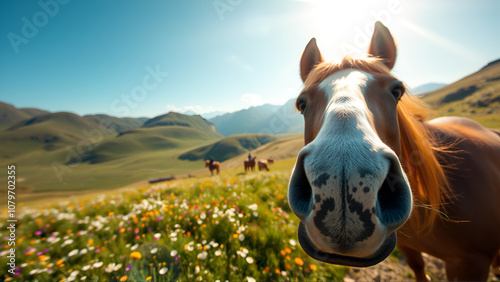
214, 166
249, 165
375, 172
263, 164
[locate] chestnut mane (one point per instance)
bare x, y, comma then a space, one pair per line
418, 147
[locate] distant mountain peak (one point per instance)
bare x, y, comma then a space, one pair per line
426, 88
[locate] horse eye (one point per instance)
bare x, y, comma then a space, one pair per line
398, 92
301, 106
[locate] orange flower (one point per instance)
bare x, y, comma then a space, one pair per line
299, 261
124, 278
283, 253
148, 278
277, 271
313, 267
288, 250
136, 255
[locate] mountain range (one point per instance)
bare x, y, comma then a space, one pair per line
268, 119
426, 88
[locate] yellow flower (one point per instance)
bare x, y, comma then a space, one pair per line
148, 278
90, 242
59, 262
135, 255
299, 261
124, 278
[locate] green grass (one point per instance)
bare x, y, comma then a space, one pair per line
219, 228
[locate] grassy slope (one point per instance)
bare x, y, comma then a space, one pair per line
10, 115
53, 153
44, 133
145, 140
116, 124
136, 155
177, 119
476, 96
228, 147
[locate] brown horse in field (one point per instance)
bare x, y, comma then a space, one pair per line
249, 165
212, 167
374, 167
264, 164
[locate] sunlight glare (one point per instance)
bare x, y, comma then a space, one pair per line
350, 22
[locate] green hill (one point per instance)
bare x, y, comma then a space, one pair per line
47, 132
10, 115
33, 112
228, 147
144, 140
476, 96
116, 124
176, 119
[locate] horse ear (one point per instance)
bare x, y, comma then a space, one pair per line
310, 57
382, 45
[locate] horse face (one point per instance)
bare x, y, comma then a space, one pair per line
348, 187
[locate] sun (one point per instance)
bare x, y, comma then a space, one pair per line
348, 23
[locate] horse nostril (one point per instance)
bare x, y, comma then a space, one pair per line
299, 189
394, 198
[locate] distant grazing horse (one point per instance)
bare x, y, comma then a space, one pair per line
249, 164
371, 156
212, 167
263, 164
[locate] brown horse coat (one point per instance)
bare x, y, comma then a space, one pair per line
249, 165
358, 131
214, 166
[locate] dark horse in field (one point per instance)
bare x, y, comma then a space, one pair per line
213, 166
373, 166
249, 165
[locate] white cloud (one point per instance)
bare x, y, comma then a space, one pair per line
251, 99
195, 108
190, 108
173, 108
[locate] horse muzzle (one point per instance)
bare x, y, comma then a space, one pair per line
349, 210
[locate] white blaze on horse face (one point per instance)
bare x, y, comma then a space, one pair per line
346, 165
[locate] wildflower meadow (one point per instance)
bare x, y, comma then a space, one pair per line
209, 229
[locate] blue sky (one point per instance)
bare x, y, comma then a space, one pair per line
145, 58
